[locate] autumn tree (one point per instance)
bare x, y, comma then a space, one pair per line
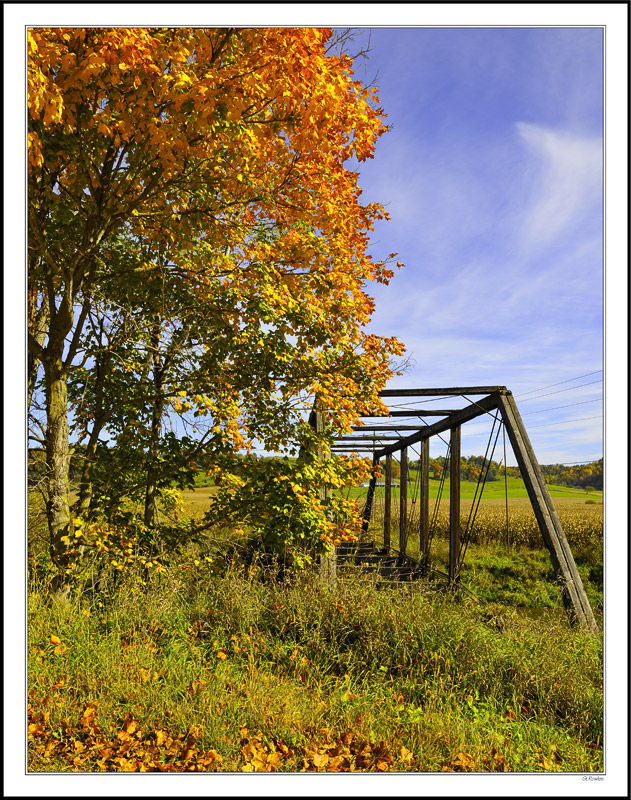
197, 246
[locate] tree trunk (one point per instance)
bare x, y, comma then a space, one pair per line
38, 320
56, 436
57, 460
159, 370
151, 499
85, 484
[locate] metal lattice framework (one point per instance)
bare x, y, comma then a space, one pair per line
388, 438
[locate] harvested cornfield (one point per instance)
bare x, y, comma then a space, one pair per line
582, 522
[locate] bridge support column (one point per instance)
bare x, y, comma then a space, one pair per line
424, 504
572, 591
387, 509
454, 504
403, 502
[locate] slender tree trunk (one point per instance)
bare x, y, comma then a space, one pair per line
85, 485
57, 459
159, 370
57, 435
38, 326
151, 499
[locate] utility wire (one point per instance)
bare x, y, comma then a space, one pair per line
559, 391
569, 405
565, 422
541, 411
578, 377
570, 463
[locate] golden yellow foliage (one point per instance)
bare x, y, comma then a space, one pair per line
224, 154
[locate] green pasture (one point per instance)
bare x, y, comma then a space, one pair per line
492, 489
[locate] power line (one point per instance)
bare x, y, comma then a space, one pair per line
570, 463
559, 391
523, 394
578, 377
565, 421
555, 408
543, 410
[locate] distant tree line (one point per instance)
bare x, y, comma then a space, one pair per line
584, 476
470, 468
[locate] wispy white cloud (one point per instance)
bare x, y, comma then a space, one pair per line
566, 180
494, 186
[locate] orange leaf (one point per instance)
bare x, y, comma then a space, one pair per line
130, 725
161, 737
320, 759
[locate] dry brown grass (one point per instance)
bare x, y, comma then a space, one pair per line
582, 522
197, 501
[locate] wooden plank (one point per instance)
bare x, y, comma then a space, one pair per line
454, 503
452, 390
476, 409
403, 502
387, 511
572, 591
424, 502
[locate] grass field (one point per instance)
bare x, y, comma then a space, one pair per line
206, 667
198, 500
199, 672
492, 489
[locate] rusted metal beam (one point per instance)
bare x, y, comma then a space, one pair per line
454, 503
387, 510
388, 427
424, 503
363, 439
412, 412
572, 591
476, 409
403, 502
370, 494
350, 449
452, 390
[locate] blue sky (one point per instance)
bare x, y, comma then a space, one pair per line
492, 176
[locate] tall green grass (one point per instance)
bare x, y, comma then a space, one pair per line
301, 661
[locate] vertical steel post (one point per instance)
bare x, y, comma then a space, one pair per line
572, 591
403, 501
424, 503
454, 504
370, 494
387, 510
